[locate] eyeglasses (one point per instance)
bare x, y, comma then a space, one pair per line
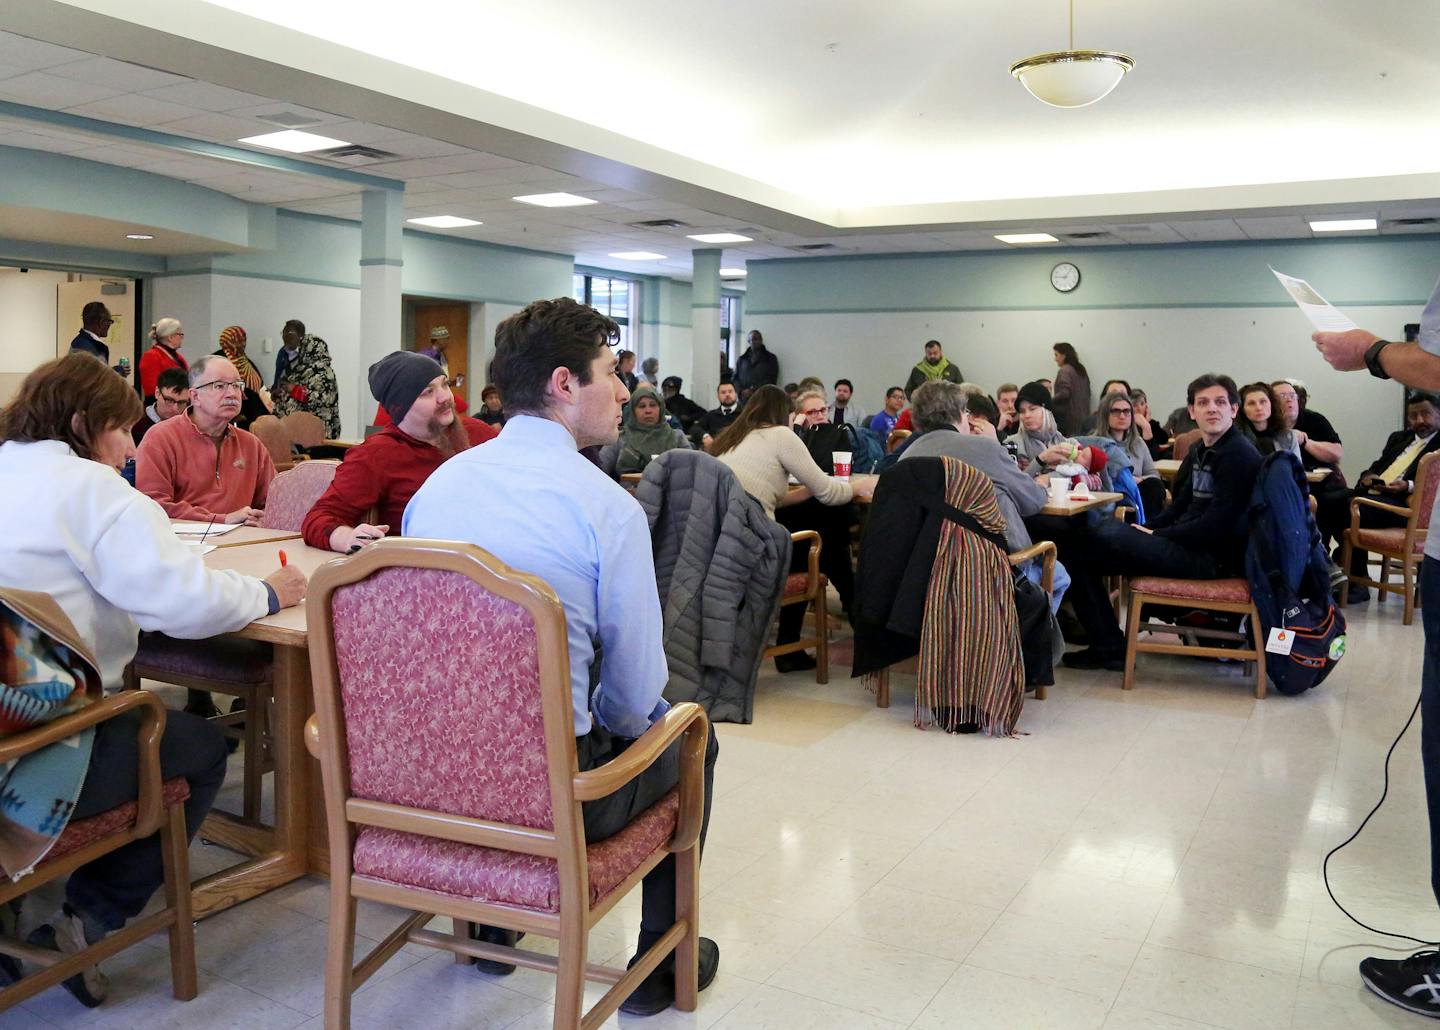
181, 404
1120, 411
812, 412
220, 386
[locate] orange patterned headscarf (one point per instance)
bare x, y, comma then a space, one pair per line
232, 343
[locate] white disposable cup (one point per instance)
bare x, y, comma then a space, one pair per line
1059, 489
842, 464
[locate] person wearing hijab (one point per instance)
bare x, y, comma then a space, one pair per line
644, 432
305, 379
167, 336
256, 401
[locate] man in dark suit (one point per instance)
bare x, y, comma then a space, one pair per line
1390, 479
95, 322
717, 420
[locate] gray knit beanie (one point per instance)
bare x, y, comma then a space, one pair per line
397, 379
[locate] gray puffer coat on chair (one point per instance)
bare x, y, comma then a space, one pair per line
720, 564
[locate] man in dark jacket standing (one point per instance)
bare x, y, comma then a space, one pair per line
1201, 535
757, 367
95, 323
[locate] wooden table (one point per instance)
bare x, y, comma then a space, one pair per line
284, 853
1076, 506
1318, 475
1168, 468
242, 537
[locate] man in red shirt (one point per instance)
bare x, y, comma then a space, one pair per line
384, 472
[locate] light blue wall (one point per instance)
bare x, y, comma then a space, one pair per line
1356, 271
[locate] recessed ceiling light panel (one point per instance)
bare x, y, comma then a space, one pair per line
139, 236
555, 200
733, 273
444, 221
638, 255
1343, 225
1026, 237
720, 237
293, 141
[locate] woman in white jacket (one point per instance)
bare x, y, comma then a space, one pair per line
71, 527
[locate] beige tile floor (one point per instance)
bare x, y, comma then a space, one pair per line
1132, 860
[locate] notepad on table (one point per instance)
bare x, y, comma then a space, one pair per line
202, 528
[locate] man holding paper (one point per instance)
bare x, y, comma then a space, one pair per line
1409, 983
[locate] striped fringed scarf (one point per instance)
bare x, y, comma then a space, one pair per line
970, 668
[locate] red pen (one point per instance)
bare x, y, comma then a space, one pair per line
283, 560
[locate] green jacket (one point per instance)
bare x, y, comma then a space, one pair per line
924, 371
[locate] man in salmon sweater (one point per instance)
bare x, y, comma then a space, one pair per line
198, 466
384, 472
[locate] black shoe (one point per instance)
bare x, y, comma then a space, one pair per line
201, 703
1357, 594
795, 661
656, 992
10, 969
494, 935
1095, 658
1412, 983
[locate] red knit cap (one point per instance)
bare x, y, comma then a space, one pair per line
1098, 460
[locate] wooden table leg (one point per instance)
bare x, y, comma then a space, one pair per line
290, 858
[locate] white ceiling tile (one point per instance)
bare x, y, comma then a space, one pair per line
42, 89
23, 52
408, 145
1208, 229
49, 144
135, 109
406, 169
131, 78
1288, 227
1146, 232
364, 132
277, 107
216, 127
206, 96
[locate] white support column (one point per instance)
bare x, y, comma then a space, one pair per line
705, 323
381, 264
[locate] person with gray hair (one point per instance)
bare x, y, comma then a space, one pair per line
650, 372
167, 336
938, 409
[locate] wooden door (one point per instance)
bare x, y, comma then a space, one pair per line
456, 319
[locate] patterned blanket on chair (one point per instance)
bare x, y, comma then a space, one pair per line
40, 680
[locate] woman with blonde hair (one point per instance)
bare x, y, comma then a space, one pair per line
167, 336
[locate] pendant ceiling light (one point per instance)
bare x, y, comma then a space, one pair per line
1072, 78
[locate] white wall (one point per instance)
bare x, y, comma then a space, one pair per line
1159, 350
27, 324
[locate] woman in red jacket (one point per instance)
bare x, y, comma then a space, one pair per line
167, 337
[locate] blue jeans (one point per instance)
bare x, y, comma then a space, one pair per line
1430, 709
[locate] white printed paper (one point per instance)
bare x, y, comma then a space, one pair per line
1317, 309
1281, 641
203, 529
198, 547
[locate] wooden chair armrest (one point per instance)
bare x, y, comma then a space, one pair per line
1370, 502
312, 737
812, 568
1047, 549
685, 719
152, 725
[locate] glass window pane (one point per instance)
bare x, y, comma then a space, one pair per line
579, 291
619, 298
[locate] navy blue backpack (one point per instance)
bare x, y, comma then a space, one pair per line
1289, 576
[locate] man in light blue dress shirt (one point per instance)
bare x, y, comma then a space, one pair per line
531, 499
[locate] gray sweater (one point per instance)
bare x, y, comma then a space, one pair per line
1017, 493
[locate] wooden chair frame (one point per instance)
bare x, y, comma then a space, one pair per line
815, 585
1046, 551
565, 843
1134, 645
152, 815
1407, 556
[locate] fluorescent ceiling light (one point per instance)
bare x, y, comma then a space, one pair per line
444, 222
733, 273
1026, 237
139, 236
555, 200
1343, 225
720, 237
638, 255
293, 141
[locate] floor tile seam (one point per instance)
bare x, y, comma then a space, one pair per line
1108, 1000
836, 1004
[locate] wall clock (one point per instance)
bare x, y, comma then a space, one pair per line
1065, 277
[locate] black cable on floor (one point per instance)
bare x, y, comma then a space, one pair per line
1325, 868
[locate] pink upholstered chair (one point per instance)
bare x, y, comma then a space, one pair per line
446, 742
1404, 545
1216, 595
158, 806
294, 492
808, 588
